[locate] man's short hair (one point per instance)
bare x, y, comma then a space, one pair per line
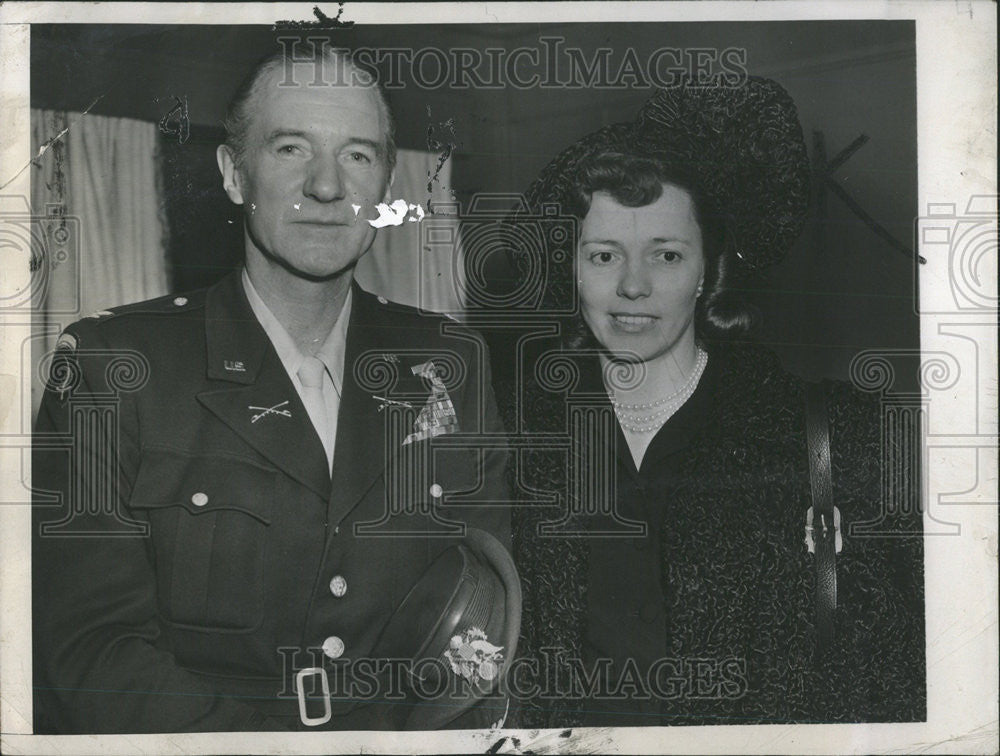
239, 114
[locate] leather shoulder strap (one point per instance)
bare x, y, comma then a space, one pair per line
823, 523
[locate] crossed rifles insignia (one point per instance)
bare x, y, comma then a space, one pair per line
265, 411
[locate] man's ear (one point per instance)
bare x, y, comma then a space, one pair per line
231, 181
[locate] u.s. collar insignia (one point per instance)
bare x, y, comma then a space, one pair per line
234, 366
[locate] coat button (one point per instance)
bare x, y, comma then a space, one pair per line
383, 300
436, 491
199, 499
333, 647
180, 301
338, 585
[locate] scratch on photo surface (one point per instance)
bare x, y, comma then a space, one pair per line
980, 739
446, 146
48, 143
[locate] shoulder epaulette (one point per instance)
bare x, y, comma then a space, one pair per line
165, 305
406, 309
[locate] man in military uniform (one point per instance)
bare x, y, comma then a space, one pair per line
236, 484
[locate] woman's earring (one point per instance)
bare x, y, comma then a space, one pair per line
700, 289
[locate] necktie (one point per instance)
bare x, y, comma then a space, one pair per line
311, 374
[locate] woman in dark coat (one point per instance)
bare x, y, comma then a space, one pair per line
696, 601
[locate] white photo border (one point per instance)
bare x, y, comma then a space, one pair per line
956, 79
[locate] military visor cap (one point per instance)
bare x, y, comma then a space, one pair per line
459, 625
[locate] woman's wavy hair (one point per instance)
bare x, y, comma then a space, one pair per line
637, 181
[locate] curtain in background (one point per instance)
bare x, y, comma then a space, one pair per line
405, 265
103, 172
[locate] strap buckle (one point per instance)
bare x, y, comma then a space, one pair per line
300, 690
823, 529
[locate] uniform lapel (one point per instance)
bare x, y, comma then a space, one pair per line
260, 403
362, 453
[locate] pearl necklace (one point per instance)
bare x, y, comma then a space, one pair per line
665, 407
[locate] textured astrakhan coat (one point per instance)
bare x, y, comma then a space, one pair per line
738, 581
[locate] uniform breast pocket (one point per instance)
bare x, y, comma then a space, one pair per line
209, 519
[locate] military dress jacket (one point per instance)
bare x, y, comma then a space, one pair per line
191, 552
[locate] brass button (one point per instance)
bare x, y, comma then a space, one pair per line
199, 499
333, 647
338, 586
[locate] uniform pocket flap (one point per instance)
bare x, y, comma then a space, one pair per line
203, 483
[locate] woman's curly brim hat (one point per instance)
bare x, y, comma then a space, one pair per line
743, 145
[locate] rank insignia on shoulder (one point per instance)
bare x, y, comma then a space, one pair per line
100, 314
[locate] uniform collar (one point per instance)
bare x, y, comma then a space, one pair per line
235, 339
331, 352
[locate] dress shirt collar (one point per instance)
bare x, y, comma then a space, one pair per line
331, 352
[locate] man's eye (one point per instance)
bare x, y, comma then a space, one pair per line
359, 157
289, 149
